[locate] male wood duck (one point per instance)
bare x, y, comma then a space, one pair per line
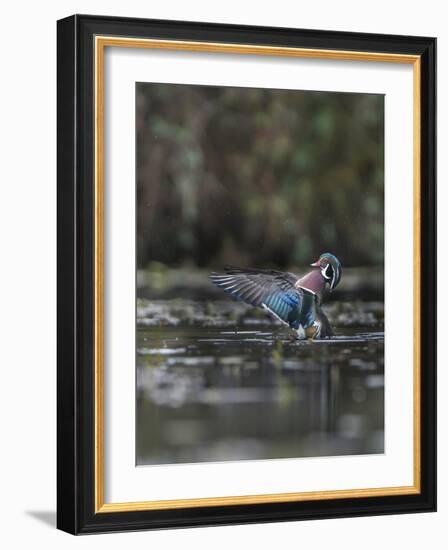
294, 301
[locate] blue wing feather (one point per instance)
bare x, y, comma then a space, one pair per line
272, 290
284, 304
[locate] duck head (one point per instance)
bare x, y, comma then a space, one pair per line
330, 269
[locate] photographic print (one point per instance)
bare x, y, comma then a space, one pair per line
246, 254
260, 273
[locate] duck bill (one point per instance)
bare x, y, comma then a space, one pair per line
315, 264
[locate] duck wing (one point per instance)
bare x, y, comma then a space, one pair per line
270, 289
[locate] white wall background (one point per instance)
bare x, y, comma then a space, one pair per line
27, 273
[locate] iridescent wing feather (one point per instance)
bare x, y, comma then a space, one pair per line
269, 289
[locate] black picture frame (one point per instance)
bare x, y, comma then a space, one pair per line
76, 512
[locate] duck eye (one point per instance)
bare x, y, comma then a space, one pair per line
328, 272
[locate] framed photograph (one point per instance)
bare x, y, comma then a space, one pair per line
246, 274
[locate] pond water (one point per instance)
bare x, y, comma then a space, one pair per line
217, 380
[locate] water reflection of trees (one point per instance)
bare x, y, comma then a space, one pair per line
256, 395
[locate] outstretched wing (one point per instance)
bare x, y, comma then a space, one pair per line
272, 290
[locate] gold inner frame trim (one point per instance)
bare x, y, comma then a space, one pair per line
101, 42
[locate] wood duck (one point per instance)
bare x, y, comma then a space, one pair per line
295, 301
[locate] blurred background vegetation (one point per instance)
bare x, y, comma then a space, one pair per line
258, 177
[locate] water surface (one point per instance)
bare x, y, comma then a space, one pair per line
217, 380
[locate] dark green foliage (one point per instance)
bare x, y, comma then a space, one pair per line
258, 177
